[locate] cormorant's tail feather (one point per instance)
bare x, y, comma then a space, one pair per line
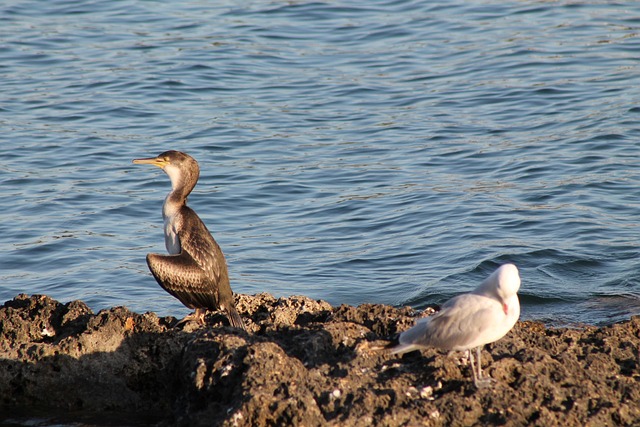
234, 318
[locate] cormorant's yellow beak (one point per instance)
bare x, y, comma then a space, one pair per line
156, 161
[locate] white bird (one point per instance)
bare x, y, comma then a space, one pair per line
470, 320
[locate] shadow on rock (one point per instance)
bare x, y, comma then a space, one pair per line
60, 358
303, 362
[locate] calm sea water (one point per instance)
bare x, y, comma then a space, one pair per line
387, 152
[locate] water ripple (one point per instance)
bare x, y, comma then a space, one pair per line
393, 152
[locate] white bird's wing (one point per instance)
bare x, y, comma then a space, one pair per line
461, 324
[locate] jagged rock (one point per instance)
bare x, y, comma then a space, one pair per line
301, 363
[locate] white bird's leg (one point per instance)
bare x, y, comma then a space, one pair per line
479, 380
473, 367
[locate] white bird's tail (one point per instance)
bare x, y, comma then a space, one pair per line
402, 348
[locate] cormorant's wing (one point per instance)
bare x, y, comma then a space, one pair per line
183, 278
196, 240
198, 276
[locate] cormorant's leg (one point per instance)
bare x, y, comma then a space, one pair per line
197, 316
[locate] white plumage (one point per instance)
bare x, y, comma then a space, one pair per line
470, 320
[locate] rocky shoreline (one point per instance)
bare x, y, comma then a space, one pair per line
303, 363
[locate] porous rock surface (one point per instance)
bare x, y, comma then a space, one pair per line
302, 363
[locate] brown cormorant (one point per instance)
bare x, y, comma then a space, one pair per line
195, 271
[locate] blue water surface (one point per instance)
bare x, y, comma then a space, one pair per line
382, 152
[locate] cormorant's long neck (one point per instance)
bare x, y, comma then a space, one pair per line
182, 183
